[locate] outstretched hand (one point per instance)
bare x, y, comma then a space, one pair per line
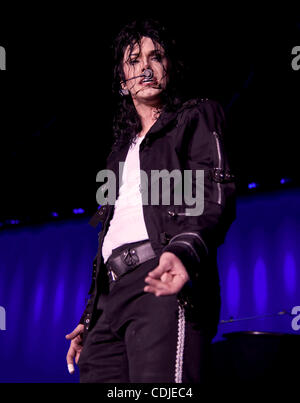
168, 277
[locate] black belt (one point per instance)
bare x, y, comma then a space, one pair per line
128, 259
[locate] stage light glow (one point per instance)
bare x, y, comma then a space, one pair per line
59, 300
289, 272
78, 211
38, 303
233, 290
285, 180
13, 222
260, 286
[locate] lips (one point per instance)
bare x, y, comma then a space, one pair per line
145, 81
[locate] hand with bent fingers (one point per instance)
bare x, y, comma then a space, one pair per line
75, 347
168, 277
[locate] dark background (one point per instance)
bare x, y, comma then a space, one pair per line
56, 107
55, 131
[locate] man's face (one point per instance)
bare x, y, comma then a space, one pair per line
134, 63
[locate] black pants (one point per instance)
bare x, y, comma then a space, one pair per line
141, 338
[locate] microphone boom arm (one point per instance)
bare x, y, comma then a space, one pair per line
148, 73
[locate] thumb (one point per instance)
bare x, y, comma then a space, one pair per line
78, 329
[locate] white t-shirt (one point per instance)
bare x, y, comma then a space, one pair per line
127, 224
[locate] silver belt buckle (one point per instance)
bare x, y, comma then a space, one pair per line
130, 257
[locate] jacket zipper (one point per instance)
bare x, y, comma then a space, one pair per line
192, 234
173, 214
188, 245
219, 164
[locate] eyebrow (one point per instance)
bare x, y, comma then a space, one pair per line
150, 53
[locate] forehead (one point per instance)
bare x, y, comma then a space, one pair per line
146, 45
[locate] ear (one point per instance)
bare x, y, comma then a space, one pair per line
123, 91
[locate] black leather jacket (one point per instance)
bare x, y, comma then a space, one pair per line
189, 139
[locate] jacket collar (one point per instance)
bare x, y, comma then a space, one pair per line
164, 119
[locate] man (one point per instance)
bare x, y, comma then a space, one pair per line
155, 299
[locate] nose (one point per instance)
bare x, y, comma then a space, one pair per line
145, 64
145, 67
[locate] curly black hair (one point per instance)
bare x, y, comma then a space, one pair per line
126, 122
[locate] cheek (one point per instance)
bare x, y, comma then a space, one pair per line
162, 70
163, 75
126, 71
129, 71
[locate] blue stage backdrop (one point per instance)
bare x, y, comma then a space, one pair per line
45, 274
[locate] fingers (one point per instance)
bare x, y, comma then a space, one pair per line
78, 329
171, 284
77, 355
157, 291
72, 335
70, 359
74, 351
71, 368
158, 287
167, 262
155, 286
155, 283
159, 270
168, 277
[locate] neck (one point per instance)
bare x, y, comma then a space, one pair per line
148, 114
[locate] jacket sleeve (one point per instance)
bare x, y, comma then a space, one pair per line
202, 147
99, 217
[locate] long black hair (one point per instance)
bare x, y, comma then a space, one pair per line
126, 122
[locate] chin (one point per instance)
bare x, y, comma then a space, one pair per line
150, 94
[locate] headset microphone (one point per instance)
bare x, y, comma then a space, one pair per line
148, 74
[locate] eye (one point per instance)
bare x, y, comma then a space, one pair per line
133, 61
157, 57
